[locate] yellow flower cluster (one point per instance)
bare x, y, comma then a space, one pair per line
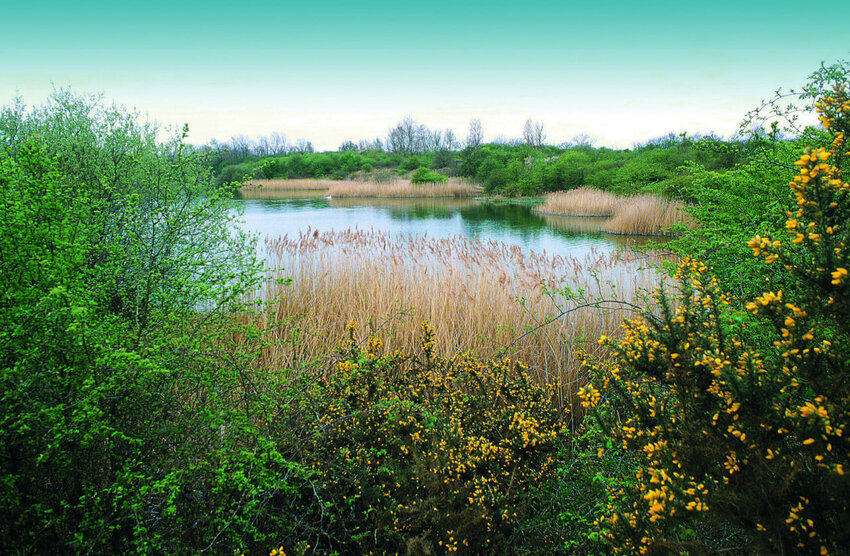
417, 441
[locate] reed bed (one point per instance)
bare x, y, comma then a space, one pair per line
648, 215
289, 185
583, 201
638, 215
401, 188
479, 295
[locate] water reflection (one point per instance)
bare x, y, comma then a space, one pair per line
271, 195
274, 214
592, 225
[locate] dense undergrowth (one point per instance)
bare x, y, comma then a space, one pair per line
138, 413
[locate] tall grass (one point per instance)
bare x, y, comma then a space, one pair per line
480, 295
648, 215
639, 215
454, 187
581, 202
289, 185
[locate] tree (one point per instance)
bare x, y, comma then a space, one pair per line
303, 146
117, 253
475, 137
449, 140
402, 139
532, 134
279, 145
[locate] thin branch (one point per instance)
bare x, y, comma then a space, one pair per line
595, 304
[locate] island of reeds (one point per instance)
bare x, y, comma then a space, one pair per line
164, 390
651, 215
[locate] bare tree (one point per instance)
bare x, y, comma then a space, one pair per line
582, 140
262, 147
366, 145
475, 136
449, 140
279, 144
532, 134
303, 146
402, 138
239, 147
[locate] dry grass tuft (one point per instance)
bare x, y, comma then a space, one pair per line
648, 215
289, 185
581, 202
479, 295
454, 187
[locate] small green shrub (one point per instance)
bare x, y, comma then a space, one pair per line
425, 175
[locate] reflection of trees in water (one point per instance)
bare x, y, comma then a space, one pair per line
519, 219
408, 209
272, 195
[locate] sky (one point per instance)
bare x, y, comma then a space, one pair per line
620, 72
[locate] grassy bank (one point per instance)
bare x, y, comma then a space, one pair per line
638, 215
480, 296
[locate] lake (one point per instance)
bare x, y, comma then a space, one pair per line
277, 214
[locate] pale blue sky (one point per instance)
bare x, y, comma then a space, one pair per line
619, 71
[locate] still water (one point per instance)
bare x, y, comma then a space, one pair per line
281, 214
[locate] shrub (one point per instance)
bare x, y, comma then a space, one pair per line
411, 163
427, 455
425, 175
739, 414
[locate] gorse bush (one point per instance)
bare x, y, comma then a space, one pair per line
429, 455
739, 414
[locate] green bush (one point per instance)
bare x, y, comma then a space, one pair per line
425, 175
411, 163
125, 424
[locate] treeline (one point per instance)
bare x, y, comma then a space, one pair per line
514, 168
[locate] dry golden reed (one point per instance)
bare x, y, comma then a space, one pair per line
289, 185
648, 215
396, 187
638, 215
583, 201
479, 295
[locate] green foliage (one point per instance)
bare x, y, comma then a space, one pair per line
741, 429
122, 425
411, 163
425, 175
